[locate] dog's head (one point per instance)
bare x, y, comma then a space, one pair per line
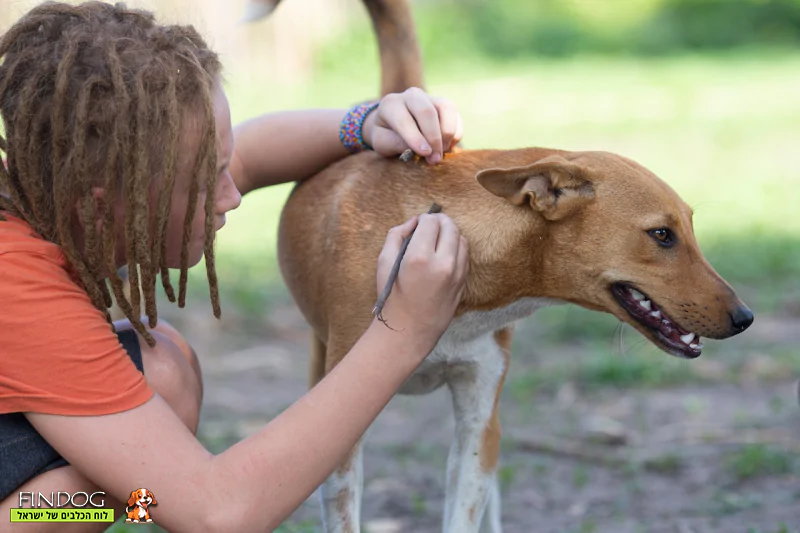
142, 498
620, 240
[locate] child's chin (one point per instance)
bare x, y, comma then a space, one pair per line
194, 259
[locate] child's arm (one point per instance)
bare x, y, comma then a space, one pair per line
294, 145
257, 483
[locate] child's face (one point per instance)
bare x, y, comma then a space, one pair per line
227, 196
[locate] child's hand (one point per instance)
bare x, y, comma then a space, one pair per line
431, 279
412, 119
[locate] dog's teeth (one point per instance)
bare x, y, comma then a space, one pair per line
656, 314
646, 304
665, 322
694, 346
689, 337
638, 296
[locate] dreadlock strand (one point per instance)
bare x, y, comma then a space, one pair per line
164, 203
30, 190
88, 207
121, 102
28, 26
140, 200
15, 191
57, 118
194, 192
211, 186
64, 200
38, 167
129, 198
61, 185
162, 105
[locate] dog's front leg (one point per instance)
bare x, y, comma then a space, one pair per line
491, 518
340, 495
472, 462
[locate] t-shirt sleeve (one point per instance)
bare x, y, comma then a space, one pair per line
58, 355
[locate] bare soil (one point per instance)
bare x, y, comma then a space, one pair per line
673, 460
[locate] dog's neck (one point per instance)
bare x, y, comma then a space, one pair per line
508, 243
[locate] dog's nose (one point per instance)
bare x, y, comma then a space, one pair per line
741, 318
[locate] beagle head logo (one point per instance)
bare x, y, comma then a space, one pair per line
137, 509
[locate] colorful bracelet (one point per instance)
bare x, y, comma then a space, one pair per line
350, 130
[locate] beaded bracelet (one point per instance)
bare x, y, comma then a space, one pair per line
350, 130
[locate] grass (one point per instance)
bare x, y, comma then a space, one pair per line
601, 367
668, 464
782, 528
757, 460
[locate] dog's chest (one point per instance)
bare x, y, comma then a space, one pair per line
467, 342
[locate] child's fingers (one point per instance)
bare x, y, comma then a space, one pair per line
387, 143
459, 132
426, 115
423, 244
449, 239
462, 261
395, 114
395, 236
448, 121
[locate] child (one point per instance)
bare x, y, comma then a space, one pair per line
120, 152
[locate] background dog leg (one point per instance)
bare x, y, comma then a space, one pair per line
340, 495
472, 463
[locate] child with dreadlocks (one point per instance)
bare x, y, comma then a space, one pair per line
119, 151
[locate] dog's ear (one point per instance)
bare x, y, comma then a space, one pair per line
553, 186
153, 497
132, 499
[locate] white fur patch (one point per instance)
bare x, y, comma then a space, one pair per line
465, 342
340, 496
468, 359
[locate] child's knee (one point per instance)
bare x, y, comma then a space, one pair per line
172, 370
185, 348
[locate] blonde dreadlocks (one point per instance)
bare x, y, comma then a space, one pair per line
94, 95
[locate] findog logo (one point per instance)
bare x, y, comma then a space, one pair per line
137, 509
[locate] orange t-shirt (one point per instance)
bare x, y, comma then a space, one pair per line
58, 354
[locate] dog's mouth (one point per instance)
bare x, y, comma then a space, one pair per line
663, 331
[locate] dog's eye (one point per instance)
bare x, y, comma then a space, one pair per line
663, 236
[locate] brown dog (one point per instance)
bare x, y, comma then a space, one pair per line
544, 227
138, 503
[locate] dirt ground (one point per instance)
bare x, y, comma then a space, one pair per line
683, 459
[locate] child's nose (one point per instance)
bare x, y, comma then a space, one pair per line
228, 197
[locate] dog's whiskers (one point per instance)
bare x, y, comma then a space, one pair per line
618, 340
